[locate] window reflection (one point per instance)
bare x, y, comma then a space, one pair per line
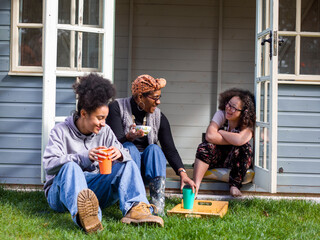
310, 56
90, 48
30, 45
310, 15
286, 55
64, 12
91, 12
63, 50
264, 148
30, 11
287, 15
263, 15
262, 101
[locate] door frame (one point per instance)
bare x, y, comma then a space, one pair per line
266, 92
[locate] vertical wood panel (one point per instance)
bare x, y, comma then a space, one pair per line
238, 44
177, 40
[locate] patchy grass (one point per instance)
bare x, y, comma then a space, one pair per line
26, 215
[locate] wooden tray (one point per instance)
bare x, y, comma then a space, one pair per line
201, 208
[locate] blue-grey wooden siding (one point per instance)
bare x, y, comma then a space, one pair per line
21, 113
299, 138
20, 125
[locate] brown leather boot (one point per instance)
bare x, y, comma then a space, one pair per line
88, 206
141, 214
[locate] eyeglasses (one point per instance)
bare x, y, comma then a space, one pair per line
155, 98
232, 108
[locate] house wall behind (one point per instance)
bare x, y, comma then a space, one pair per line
299, 138
238, 44
176, 40
21, 114
121, 47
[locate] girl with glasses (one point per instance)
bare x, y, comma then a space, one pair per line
227, 139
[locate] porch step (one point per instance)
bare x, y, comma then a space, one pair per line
208, 186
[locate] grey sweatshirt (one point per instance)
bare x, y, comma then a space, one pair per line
68, 144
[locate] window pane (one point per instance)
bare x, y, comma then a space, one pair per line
30, 45
262, 89
264, 102
287, 15
77, 12
64, 12
260, 158
76, 50
91, 12
30, 11
264, 14
90, 48
310, 56
264, 148
267, 146
63, 51
310, 15
286, 55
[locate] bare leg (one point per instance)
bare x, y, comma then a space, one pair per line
235, 192
199, 170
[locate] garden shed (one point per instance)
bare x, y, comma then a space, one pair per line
202, 47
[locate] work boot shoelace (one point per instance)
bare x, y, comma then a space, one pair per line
146, 207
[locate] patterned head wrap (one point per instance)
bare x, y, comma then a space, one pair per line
146, 83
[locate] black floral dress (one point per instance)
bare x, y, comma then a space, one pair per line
236, 158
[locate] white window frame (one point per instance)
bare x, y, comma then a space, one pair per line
15, 69
298, 78
50, 72
72, 71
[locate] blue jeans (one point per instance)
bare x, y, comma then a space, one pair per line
124, 184
152, 158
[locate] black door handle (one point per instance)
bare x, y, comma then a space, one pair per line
269, 40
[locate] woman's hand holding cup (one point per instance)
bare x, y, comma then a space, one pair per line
133, 134
105, 156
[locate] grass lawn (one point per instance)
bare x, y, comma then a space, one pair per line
26, 215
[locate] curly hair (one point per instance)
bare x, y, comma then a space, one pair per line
93, 91
248, 113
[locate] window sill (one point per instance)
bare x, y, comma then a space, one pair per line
35, 74
59, 73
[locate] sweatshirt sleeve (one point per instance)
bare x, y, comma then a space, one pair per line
56, 155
